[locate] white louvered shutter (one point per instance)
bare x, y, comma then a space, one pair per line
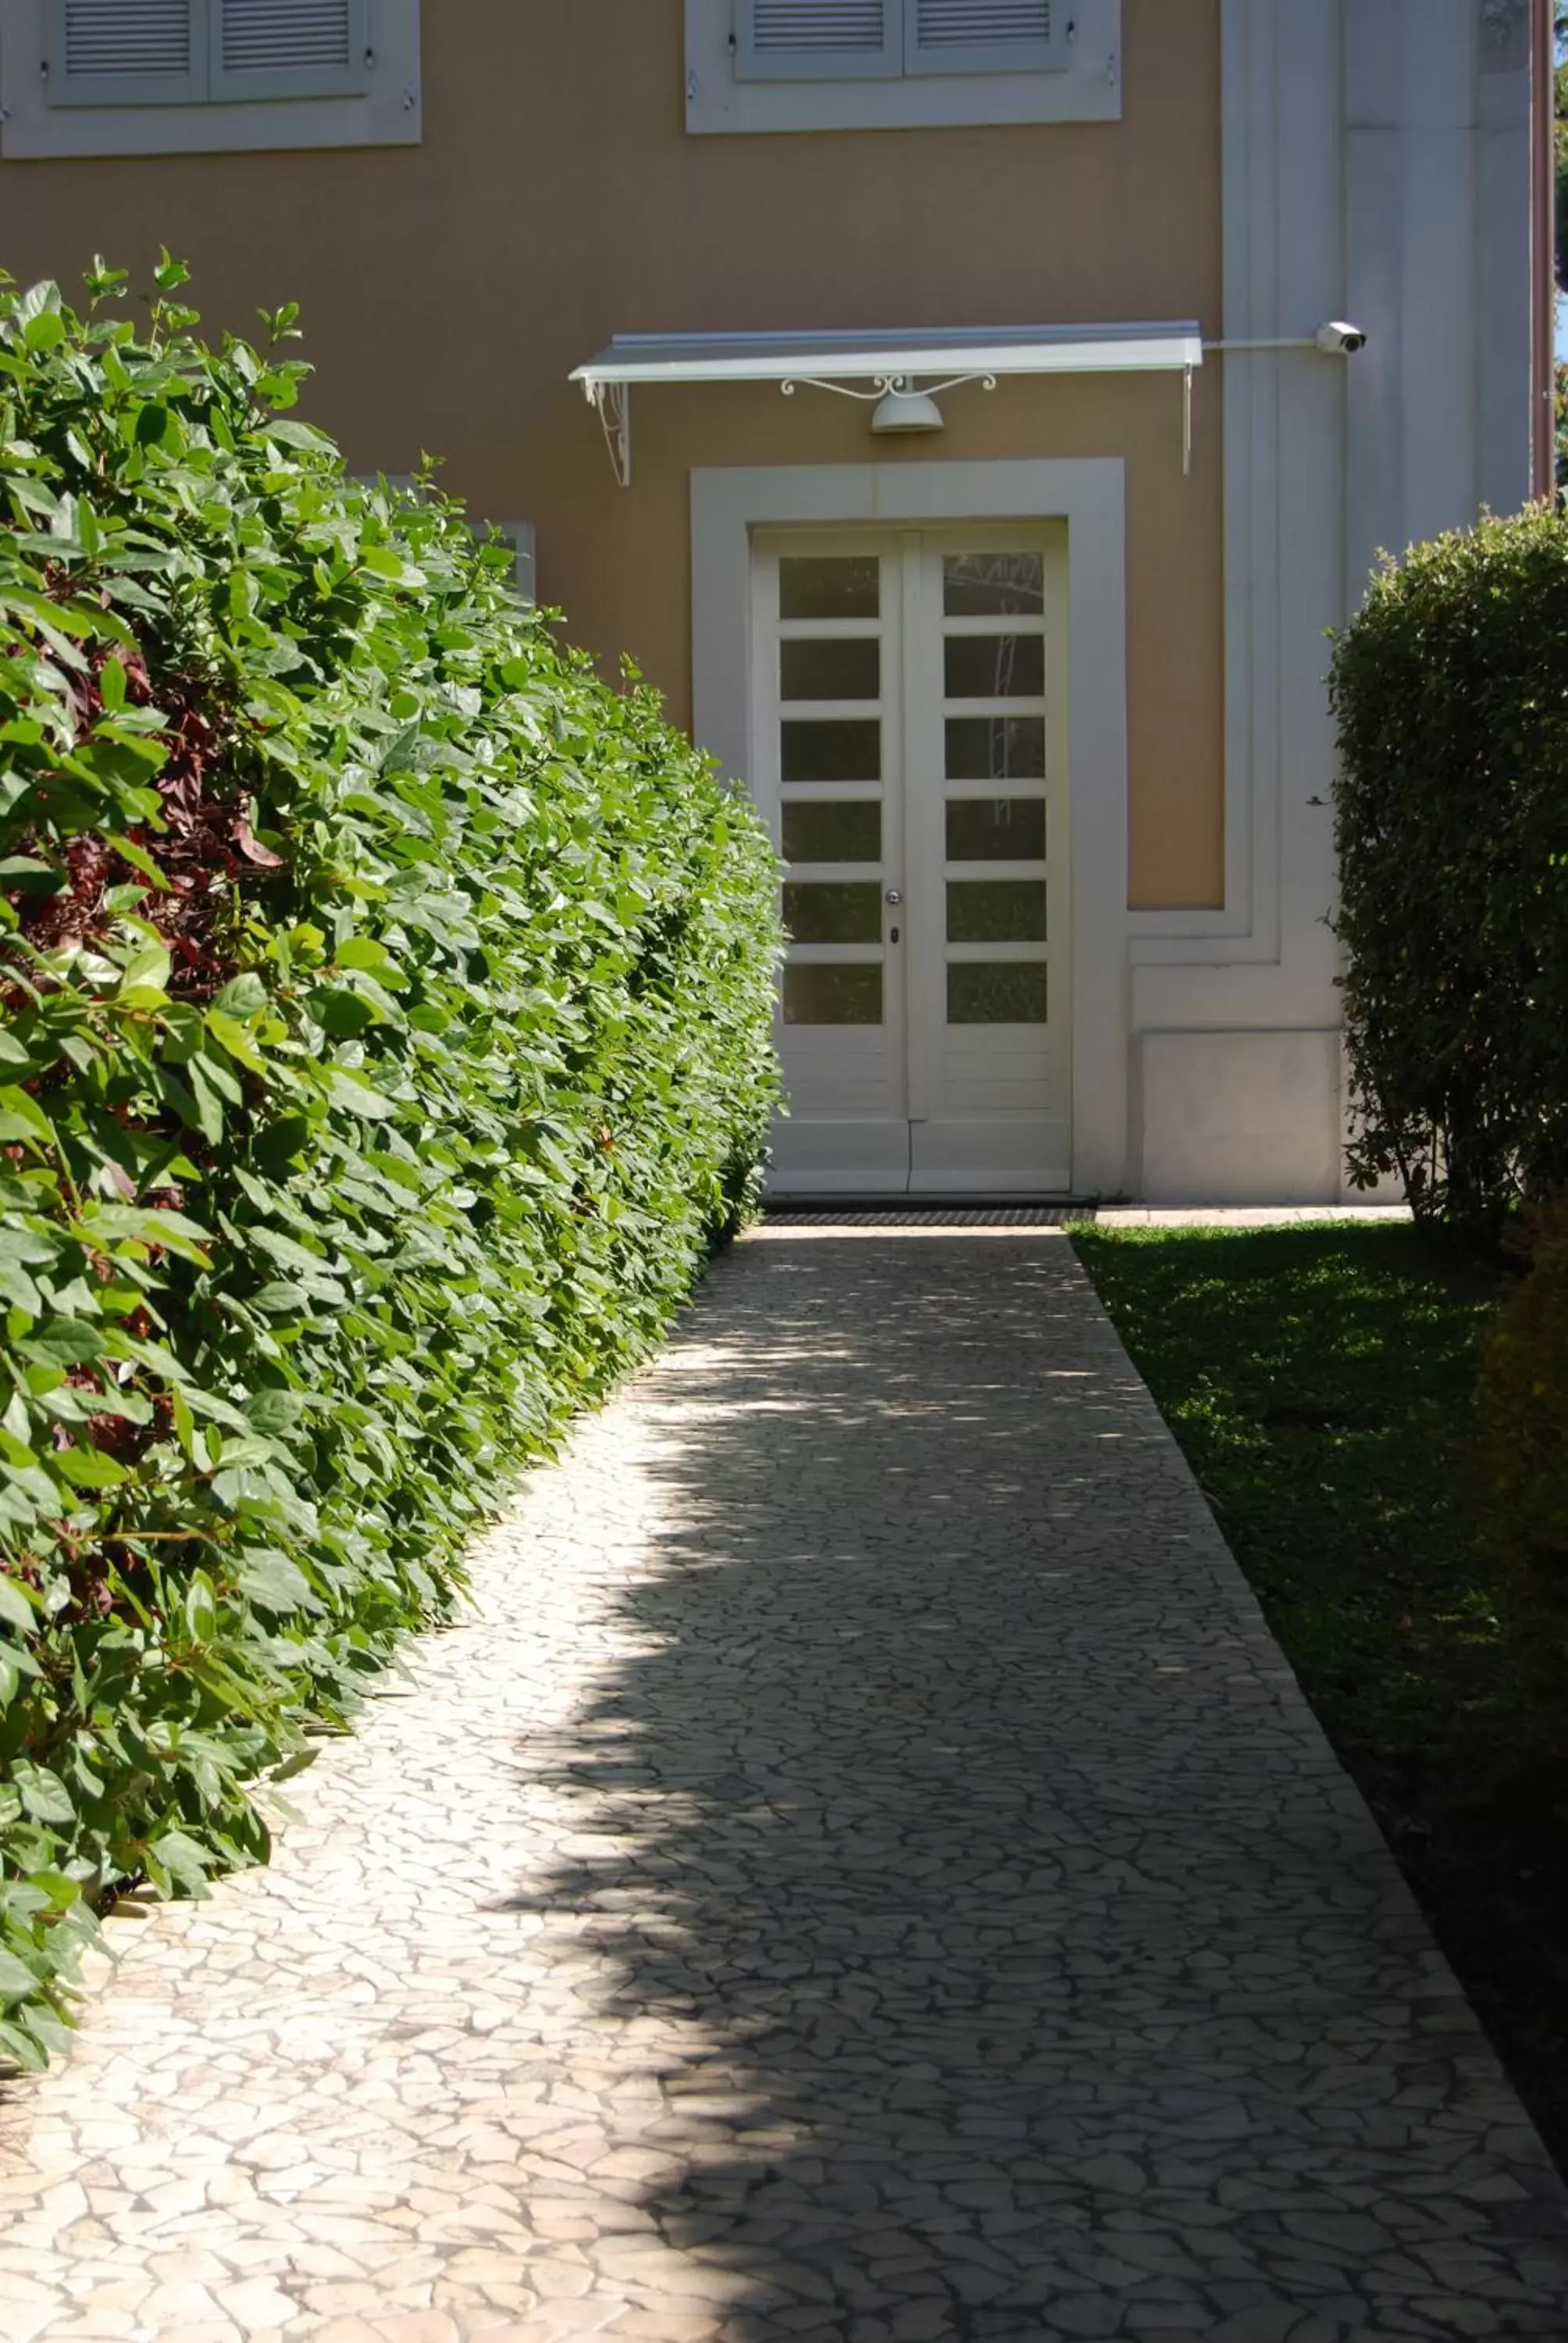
954, 36
817, 40
289, 49
125, 52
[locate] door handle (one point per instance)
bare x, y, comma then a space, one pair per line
893, 896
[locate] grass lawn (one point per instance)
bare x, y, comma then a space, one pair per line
1319, 1381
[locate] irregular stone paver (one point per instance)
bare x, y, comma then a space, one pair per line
863, 1871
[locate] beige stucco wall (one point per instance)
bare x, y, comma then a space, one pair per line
556, 199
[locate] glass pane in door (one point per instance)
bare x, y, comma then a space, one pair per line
831, 748
993, 585
996, 747
830, 669
828, 995
829, 586
995, 830
995, 910
833, 912
994, 667
1003, 992
847, 831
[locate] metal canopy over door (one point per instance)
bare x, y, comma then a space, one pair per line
910, 751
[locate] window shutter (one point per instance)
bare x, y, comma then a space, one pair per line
817, 40
126, 51
985, 36
290, 48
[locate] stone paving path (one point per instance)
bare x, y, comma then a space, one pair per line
863, 1871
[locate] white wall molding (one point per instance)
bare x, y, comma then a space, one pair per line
1282, 455
1437, 232
1090, 495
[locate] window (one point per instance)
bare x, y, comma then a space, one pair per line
173, 76
823, 65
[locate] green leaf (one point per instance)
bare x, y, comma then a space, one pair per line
208, 1097
89, 1468
146, 970
22, 874
136, 856
362, 952
67, 1342
356, 1097
21, 2048
16, 1979
236, 1040
42, 1794
272, 1581
46, 331
16, 1609
243, 996
201, 1608
183, 1858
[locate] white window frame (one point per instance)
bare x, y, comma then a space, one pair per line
1084, 86
374, 105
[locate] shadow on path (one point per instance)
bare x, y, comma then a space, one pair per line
1025, 1967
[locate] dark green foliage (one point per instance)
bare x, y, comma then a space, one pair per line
384, 1041
1451, 688
1523, 1447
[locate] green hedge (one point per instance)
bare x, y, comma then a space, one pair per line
1451, 688
386, 1006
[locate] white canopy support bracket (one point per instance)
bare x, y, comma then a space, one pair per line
894, 386
867, 366
613, 403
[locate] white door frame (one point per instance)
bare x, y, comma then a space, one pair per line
1089, 495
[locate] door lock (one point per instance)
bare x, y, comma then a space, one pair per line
893, 896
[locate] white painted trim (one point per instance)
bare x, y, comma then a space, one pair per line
1284, 507
1089, 495
388, 114
1087, 89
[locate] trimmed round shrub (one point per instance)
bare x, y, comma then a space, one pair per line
1451, 689
1523, 1427
384, 1006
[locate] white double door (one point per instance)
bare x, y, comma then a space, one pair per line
910, 751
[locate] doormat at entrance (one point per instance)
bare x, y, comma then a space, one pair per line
926, 1216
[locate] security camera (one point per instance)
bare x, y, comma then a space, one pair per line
1339, 340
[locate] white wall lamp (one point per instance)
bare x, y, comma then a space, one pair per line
902, 407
